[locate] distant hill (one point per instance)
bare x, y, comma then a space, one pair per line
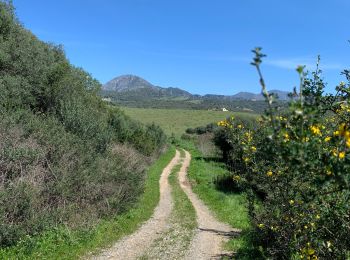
127, 83
134, 86
131, 86
134, 91
282, 95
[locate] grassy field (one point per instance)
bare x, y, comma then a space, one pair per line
178, 120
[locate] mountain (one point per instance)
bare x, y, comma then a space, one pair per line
134, 91
134, 87
131, 86
127, 83
282, 95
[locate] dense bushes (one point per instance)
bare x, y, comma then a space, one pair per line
209, 128
66, 157
295, 165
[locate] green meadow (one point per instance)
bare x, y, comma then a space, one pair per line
176, 121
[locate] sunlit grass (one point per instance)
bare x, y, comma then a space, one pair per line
178, 120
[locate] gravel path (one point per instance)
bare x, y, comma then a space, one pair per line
134, 245
208, 239
210, 235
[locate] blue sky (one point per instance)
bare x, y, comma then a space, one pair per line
202, 46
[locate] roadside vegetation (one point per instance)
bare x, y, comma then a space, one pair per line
294, 166
68, 162
63, 243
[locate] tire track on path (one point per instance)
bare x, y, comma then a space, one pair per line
134, 245
211, 233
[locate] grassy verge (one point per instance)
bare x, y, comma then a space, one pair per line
229, 207
63, 243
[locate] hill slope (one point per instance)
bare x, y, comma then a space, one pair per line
66, 158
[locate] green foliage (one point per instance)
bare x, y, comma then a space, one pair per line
295, 165
64, 243
66, 157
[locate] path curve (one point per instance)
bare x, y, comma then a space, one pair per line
210, 235
134, 245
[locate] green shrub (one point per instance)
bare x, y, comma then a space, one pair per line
295, 165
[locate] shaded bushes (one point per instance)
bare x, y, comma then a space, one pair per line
209, 128
49, 176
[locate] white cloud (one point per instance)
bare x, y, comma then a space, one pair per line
309, 63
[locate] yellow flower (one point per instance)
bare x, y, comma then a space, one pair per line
253, 148
236, 178
311, 251
335, 152
261, 225
291, 202
306, 139
286, 137
249, 136
329, 244
269, 173
342, 131
239, 126
318, 216
315, 130
327, 139
341, 155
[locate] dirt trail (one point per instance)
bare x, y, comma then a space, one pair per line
133, 246
209, 236
208, 241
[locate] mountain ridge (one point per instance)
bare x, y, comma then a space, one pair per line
129, 86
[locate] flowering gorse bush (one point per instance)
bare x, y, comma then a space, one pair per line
295, 166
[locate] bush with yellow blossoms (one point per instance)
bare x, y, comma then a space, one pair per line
294, 164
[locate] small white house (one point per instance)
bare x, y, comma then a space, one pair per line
107, 99
224, 109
